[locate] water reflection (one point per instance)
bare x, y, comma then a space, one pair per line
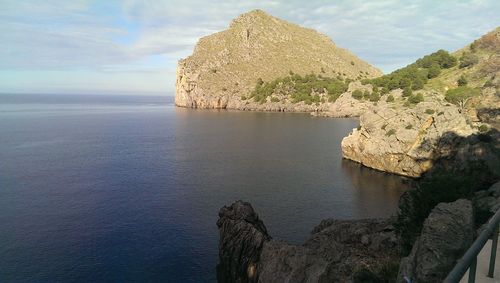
372, 189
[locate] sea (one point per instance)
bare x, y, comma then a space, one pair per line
127, 188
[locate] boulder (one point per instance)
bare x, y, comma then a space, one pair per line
242, 236
447, 233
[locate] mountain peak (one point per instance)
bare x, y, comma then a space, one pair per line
252, 17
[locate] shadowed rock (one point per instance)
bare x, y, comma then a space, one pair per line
335, 250
242, 235
446, 235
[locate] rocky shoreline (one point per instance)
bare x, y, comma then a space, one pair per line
366, 250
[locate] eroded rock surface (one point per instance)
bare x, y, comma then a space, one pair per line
336, 249
242, 236
226, 66
447, 233
411, 141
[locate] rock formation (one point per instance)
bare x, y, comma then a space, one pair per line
227, 65
413, 141
336, 249
446, 235
242, 236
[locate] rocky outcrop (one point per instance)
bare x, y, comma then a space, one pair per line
447, 233
226, 66
414, 140
242, 236
336, 249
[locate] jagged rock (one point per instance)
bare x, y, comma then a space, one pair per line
336, 249
447, 233
242, 236
411, 141
226, 65
282, 262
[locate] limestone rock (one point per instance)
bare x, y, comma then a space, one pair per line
226, 65
412, 141
447, 233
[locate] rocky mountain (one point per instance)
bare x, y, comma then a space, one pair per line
258, 50
450, 119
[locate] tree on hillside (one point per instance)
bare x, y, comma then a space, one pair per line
434, 71
468, 59
461, 95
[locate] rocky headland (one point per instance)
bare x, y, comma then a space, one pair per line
225, 67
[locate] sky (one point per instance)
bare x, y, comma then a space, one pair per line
132, 46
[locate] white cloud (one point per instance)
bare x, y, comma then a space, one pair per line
151, 35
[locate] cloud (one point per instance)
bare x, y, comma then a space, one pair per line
147, 36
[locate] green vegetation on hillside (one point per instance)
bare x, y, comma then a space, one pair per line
461, 95
414, 76
300, 88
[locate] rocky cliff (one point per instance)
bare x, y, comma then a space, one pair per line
364, 250
336, 249
226, 66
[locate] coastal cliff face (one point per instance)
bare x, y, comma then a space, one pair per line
226, 66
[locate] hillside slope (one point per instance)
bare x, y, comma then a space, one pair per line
444, 119
225, 67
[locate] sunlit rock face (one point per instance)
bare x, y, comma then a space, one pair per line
226, 66
412, 141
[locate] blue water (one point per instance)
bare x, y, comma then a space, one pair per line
128, 188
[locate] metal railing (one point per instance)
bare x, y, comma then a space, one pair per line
469, 259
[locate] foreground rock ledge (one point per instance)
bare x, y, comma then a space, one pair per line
334, 251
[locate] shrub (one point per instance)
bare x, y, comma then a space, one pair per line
409, 127
468, 59
243, 97
390, 132
383, 127
415, 99
429, 111
352, 63
357, 94
390, 98
461, 95
434, 71
407, 92
462, 81
374, 97
275, 99
483, 128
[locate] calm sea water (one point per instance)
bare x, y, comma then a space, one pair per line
127, 189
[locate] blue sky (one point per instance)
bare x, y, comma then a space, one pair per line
132, 46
